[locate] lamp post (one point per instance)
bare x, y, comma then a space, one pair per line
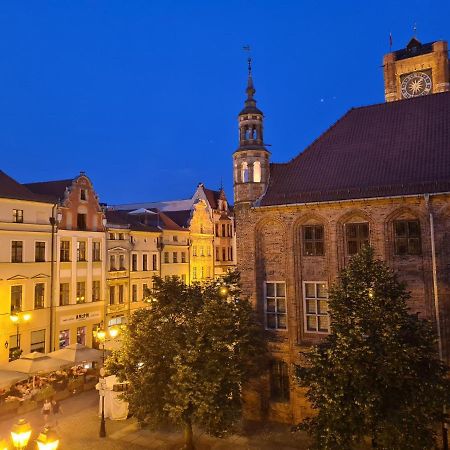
101, 335
3, 445
20, 434
17, 319
47, 440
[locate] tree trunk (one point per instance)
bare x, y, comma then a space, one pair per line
188, 435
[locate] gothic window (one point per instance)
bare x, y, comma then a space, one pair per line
407, 237
279, 381
244, 172
248, 133
254, 133
257, 172
313, 240
357, 236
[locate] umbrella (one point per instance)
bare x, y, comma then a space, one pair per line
7, 378
34, 363
77, 353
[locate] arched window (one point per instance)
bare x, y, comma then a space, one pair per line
254, 133
248, 133
244, 172
257, 172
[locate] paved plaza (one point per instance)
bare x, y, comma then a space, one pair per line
78, 428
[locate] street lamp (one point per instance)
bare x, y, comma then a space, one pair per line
3, 445
101, 336
47, 440
17, 319
20, 434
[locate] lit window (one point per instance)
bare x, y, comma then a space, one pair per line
316, 307
275, 297
18, 215
81, 292
16, 298
257, 172
81, 251
244, 172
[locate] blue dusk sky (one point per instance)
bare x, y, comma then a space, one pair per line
144, 95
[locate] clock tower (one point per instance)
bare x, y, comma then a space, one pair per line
419, 69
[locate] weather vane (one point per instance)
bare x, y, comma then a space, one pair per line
247, 49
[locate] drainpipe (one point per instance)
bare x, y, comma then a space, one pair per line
53, 222
436, 308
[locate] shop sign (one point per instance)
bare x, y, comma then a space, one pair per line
81, 317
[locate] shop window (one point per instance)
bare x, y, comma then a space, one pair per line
64, 338
81, 335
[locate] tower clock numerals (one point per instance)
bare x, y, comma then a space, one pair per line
415, 84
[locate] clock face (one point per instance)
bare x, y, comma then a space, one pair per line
415, 84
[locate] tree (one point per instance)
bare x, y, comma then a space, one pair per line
188, 355
377, 375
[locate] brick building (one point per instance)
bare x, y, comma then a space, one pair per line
379, 175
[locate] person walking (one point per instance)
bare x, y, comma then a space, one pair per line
46, 410
56, 410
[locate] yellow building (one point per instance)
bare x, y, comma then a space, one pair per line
25, 269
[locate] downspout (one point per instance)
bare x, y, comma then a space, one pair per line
52, 277
436, 310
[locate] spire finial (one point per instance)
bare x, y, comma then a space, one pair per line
250, 88
415, 30
249, 60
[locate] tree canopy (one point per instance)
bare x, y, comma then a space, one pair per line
189, 353
377, 375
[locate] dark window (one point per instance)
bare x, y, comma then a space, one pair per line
16, 298
279, 381
39, 251
144, 262
64, 294
166, 257
223, 230
134, 262
18, 215
122, 262
112, 263
223, 254
81, 292
121, 237
316, 307
407, 237
154, 262
96, 251
313, 240
134, 292
39, 289
16, 251
275, 297
357, 235
96, 291
64, 253
217, 229
83, 195
81, 221
121, 298
217, 254
112, 295
175, 257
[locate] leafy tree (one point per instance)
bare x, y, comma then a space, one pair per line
188, 355
377, 376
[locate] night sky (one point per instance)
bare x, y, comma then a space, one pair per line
143, 95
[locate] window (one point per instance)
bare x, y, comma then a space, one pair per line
37, 341
96, 291
18, 215
183, 257
16, 298
202, 272
231, 253
194, 251
175, 257
244, 172
275, 296
194, 273
81, 335
175, 239
217, 229
112, 295
257, 172
316, 307
224, 257
357, 235
39, 291
208, 250
81, 221
154, 262
144, 262
64, 251
145, 291
64, 294
64, 338
16, 251
81, 292
202, 252
112, 263
279, 381
121, 237
134, 294
122, 262
134, 262
223, 230
407, 237
111, 236
96, 251
39, 251
217, 254
81, 251
121, 298
83, 195
313, 244
166, 257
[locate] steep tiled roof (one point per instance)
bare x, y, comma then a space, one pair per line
52, 189
153, 221
10, 188
388, 149
181, 218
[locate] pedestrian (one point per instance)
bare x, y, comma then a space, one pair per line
46, 410
56, 410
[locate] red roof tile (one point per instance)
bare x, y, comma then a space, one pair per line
388, 149
10, 188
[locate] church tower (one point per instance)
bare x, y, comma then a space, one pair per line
251, 159
418, 69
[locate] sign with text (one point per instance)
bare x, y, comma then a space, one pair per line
80, 317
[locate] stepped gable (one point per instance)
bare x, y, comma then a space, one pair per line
388, 149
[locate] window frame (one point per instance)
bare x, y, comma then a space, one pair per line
64, 251
275, 313
281, 375
357, 239
20, 299
41, 303
38, 249
17, 215
17, 251
81, 251
314, 241
407, 237
62, 293
316, 314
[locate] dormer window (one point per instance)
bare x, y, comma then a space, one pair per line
83, 195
